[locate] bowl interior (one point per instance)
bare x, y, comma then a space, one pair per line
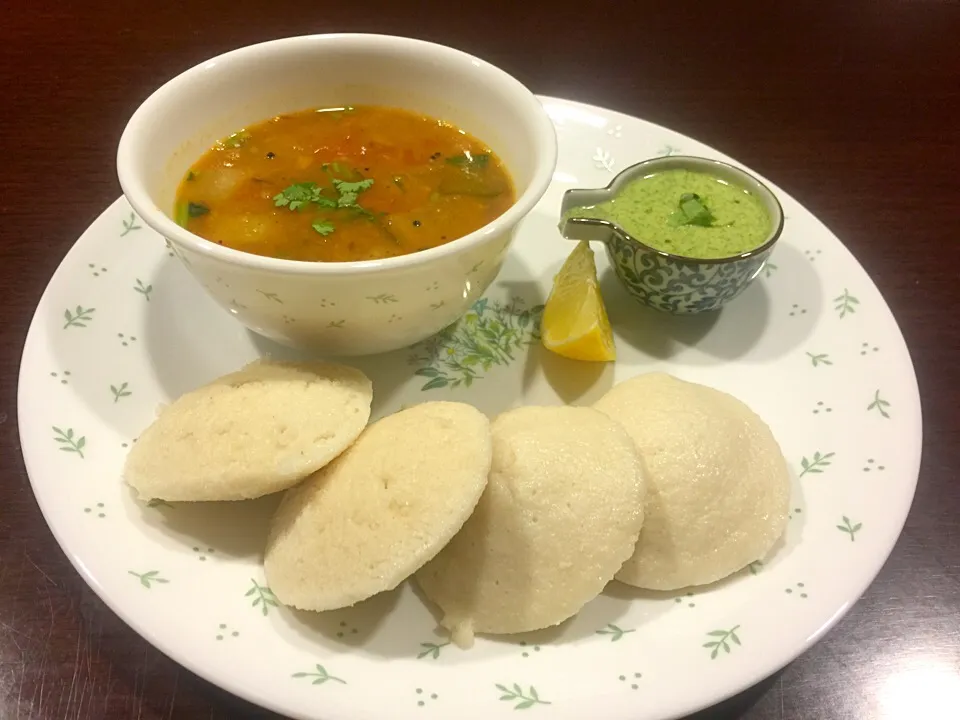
591, 229
191, 112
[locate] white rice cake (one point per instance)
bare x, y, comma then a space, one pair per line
719, 487
250, 433
560, 514
390, 503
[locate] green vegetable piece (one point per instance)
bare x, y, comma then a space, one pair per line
480, 160
323, 227
236, 140
692, 211
195, 210
181, 215
479, 184
191, 175
468, 175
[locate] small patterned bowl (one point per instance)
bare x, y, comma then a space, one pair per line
662, 280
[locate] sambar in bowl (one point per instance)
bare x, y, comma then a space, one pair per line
349, 194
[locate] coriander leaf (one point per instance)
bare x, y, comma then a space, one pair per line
296, 195
344, 187
692, 211
350, 190
323, 227
195, 210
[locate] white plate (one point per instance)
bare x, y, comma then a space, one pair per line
811, 346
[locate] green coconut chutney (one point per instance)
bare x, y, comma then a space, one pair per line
686, 213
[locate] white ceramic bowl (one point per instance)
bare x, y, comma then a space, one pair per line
354, 308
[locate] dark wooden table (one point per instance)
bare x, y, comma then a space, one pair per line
853, 107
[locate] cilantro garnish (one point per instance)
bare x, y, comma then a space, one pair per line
691, 210
323, 227
195, 210
350, 190
295, 196
300, 194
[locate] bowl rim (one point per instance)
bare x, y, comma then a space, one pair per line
545, 147
695, 161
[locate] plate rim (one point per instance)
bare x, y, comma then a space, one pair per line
748, 677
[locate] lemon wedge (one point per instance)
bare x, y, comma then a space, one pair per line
575, 323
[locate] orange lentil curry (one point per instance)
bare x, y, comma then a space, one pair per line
343, 184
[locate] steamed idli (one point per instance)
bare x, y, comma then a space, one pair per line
561, 512
375, 515
250, 433
718, 486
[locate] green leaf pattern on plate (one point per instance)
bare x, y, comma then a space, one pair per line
69, 441
143, 289
130, 224
148, 578
383, 299
615, 633
880, 405
320, 676
120, 391
723, 640
431, 650
845, 304
815, 464
524, 699
850, 528
79, 317
263, 597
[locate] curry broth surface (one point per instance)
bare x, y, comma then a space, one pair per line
431, 184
